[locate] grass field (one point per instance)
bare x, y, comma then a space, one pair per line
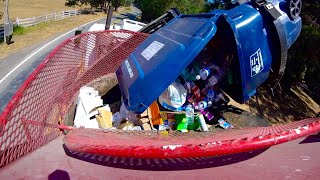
30, 8
34, 34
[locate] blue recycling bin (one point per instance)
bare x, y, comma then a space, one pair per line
258, 33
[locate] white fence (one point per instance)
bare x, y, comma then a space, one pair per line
48, 17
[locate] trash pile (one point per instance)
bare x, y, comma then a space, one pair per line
191, 103
196, 97
91, 113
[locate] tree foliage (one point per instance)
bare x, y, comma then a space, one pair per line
304, 55
217, 4
151, 9
98, 3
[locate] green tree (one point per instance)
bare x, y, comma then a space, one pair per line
217, 4
116, 4
151, 9
93, 3
304, 55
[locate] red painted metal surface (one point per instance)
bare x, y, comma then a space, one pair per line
32, 117
39, 108
298, 159
144, 144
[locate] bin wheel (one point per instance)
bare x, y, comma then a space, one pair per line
294, 7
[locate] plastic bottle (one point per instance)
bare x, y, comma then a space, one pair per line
196, 107
213, 66
195, 68
189, 74
215, 78
204, 73
208, 114
195, 90
203, 124
202, 105
186, 75
230, 77
195, 125
190, 114
181, 122
187, 85
210, 95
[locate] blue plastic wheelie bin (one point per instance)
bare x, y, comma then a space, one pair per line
257, 34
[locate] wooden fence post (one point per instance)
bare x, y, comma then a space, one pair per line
17, 21
46, 18
55, 16
34, 20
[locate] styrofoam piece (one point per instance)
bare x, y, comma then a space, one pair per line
86, 122
87, 100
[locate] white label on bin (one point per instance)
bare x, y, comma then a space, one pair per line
152, 49
129, 68
256, 63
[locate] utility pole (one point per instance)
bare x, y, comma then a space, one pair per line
109, 18
6, 12
7, 25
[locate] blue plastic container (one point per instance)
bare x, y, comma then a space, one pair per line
160, 59
259, 38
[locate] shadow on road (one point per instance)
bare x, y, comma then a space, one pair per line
129, 15
163, 164
311, 139
59, 174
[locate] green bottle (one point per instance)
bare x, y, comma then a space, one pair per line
230, 77
191, 72
181, 122
195, 125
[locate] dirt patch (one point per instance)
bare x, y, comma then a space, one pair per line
288, 105
282, 107
245, 119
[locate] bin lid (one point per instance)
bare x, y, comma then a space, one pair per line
161, 58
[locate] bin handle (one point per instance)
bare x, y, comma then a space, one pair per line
208, 29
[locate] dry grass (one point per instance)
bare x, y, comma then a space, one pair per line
286, 106
30, 8
35, 34
315, 107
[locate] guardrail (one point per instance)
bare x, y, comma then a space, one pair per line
46, 18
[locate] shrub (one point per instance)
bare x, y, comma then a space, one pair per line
18, 30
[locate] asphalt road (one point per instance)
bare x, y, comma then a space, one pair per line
15, 68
